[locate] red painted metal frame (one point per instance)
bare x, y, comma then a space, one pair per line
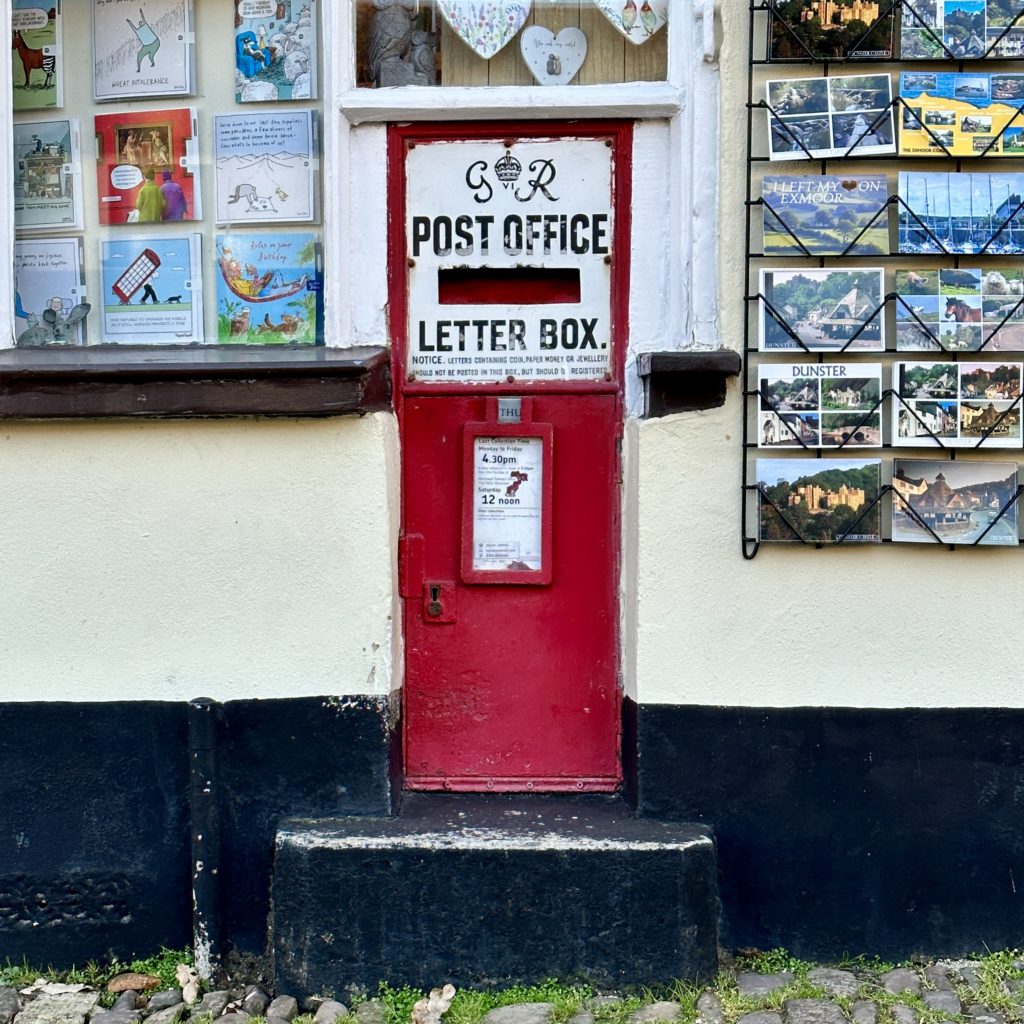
491, 428
619, 135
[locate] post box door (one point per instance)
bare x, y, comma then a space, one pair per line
512, 686
509, 288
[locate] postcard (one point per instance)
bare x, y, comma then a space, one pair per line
833, 309
47, 175
269, 289
37, 70
963, 309
815, 31
820, 501
266, 167
142, 48
957, 405
959, 502
825, 215
276, 51
961, 29
1005, 28
819, 405
953, 114
850, 115
961, 212
943, 30
152, 289
147, 166
49, 288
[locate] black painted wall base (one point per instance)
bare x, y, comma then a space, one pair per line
839, 831
485, 890
95, 850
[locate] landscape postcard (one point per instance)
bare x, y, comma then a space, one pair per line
953, 114
823, 405
825, 215
850, 115
959, 502
962, 309
833, 309
960, 212
833, 30
819, 501
957, 404
47, 175
961, 29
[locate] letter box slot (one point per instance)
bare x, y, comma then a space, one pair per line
507, 286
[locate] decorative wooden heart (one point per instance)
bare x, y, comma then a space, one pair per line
485, 26
553, 60
637, 21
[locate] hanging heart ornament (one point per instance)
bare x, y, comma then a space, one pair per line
485, 26
637, 20
553, 60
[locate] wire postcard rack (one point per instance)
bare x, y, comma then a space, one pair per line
917, 242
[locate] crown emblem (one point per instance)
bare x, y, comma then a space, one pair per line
508, 169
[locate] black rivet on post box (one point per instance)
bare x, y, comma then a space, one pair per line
608, 143
511, 379
412, 376
508, 143
608, 260
410, 262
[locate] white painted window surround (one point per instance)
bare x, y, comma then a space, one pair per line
673, 301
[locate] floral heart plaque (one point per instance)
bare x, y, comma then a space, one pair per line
485, 26
553, 60
637, 20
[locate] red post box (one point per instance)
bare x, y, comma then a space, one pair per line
509, 271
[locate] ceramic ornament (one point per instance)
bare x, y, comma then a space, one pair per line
485, 26
553, 60
637, 20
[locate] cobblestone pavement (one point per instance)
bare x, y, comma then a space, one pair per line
958, 992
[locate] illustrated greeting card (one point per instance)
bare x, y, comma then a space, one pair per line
142, 48
49, 288
37, 74
266, 167
147, 166
269, 289
276, 50
152, 289
47, 175
487, 25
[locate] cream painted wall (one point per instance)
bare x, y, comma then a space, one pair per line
165, 561
878, 626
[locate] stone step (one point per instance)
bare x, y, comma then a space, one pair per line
491, 889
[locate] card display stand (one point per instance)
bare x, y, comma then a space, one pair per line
905, 225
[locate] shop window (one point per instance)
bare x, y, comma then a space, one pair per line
498, 42
166, 172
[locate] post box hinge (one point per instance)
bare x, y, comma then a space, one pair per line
410, 564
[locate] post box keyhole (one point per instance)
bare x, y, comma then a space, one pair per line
434, 604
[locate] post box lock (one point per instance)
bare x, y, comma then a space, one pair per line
439, 601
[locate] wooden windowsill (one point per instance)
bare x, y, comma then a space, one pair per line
76, 383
